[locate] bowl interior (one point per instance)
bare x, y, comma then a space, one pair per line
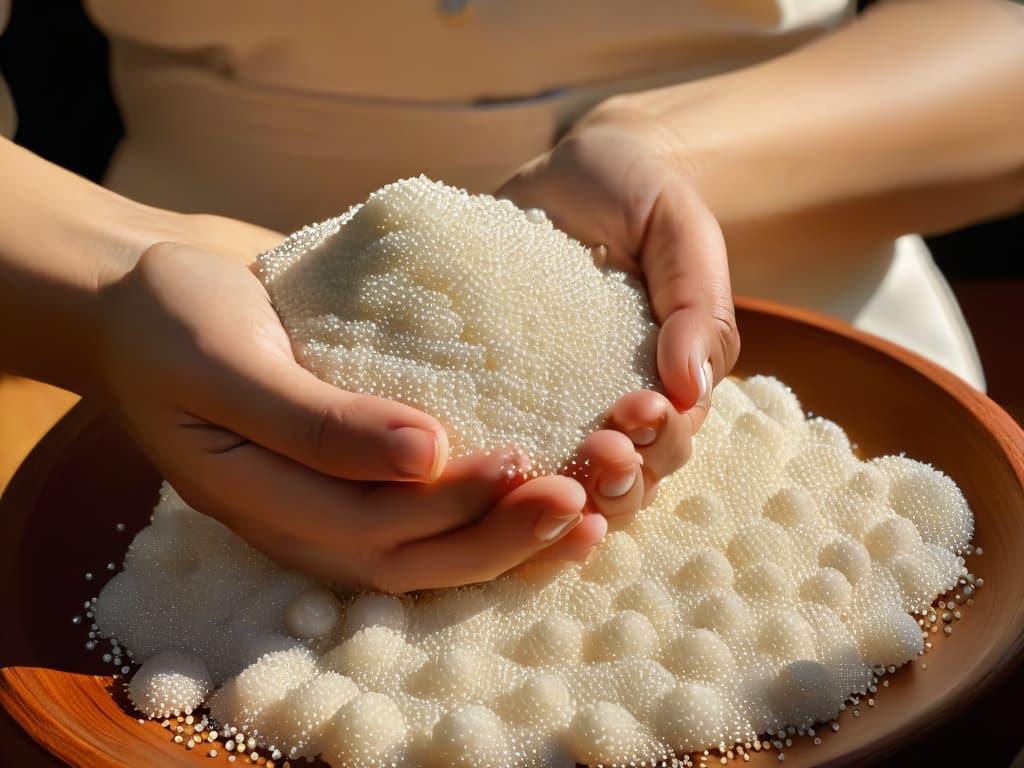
58, 522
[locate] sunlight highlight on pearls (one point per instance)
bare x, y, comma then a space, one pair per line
630, 656
767, 581
470, 309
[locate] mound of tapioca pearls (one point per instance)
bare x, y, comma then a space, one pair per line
771, 575
467, 308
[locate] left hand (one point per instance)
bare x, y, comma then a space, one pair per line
617, 181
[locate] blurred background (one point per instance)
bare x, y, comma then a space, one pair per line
55, 62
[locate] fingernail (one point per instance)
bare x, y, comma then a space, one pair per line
705, 381
551, 527
618, 483
643, 436
414, 452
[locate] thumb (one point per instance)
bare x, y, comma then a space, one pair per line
684, 262
287, 409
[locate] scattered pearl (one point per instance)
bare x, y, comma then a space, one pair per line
310, 614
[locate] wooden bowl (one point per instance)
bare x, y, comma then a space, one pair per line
58, 517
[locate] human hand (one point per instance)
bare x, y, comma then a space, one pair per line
611, 183
201, 372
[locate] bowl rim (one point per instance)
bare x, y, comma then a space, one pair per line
996, 422
1008, 437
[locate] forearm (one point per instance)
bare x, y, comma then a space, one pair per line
909, 119
61, 239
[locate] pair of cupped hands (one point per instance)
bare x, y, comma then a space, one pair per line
359, 490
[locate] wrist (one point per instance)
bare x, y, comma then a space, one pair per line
643, 116
62, 240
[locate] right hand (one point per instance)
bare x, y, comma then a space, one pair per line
350, 488
617, 180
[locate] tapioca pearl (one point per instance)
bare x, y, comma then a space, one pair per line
848, 556
891, 537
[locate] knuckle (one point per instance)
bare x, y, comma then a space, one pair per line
158, 250
329, 429
619, 109
723, 318
316, 437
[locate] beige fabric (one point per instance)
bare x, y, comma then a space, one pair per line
327, 100
495, 49
8, 120
286, 114
914, 306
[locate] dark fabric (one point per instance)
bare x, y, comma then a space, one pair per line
55, 63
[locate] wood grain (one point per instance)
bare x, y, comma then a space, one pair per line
57, 522
93, 730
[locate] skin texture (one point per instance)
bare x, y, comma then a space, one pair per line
908, 119
855, 140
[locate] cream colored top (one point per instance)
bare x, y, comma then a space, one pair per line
284, 114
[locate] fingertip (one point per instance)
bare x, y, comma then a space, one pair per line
416, 443
641, 415
565, 492
579, 542
608, 447
681, 356
561, 501
415, 453
593, 529
557, 494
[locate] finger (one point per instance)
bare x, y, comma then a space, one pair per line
614, 483
287, 409
577, 543
317, 523
524, 522
684, 262
467, 490
660, 434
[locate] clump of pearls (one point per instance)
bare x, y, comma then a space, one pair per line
771, 579
470, 309
170, 683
